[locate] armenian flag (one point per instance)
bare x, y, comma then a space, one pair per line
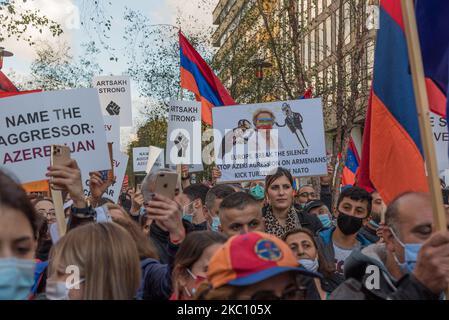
198, 77
351, 164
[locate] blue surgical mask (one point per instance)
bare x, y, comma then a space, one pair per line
411, 251
215, 223
187, 217
258, 192
325, 220
374, 224
311, 265
16, 278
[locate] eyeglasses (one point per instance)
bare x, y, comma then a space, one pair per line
307, 194
291, 294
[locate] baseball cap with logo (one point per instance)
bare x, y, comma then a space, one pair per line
250, 258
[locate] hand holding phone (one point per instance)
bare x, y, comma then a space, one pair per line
60, 155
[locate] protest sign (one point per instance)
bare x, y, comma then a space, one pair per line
184, 134
251, 141
120, 162
31, 123
441, 140
140, 159
155, 159
115, 97
112, 128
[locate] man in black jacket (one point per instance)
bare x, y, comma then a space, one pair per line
412, 264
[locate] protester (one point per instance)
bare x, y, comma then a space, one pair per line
82, 269
371, 228
18, 238
136, 205
413, 262
192, 261
255, 266
240, 213
337, 243
45, 207
192, 200
214, 197
320, 210
168, 229
304, 247
257, 190
156, 277
145, 224
280, 214
306, 193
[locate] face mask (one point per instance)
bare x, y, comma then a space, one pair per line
311, 265
186, 212
411, 251
16, 278
374, 224
58, 290
348, 224
215, 224
325, 220
257, 192
198, 281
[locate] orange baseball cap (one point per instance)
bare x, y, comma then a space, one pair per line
250, 258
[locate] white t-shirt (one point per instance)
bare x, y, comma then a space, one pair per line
341, 255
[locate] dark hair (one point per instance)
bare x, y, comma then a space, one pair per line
144, 245
238, 200
13, 196
325, 268
357, 194
41, 198
313, 204
191, 250
280, 172
196, 191
219, 191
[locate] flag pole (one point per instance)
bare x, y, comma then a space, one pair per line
422, 106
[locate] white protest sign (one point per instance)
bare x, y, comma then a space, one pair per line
184, 134
140, 159
251, 141
120, 162
155, 159
31, 123
112, 128
441, 140
115, 97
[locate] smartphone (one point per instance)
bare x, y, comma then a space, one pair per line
166, 184
60, 155
108, 175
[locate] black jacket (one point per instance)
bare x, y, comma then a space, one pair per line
361, 283
308, 220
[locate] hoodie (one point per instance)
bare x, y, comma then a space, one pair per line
367, 278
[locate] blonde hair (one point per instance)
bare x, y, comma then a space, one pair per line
106, 256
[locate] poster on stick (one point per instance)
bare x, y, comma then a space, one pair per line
112, 128
184, 134
31, 123
115, 97
140, 159
252, 141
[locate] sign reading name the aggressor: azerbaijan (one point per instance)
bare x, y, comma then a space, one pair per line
31, 123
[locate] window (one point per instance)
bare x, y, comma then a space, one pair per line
320, 7
328, 35
347, 22
320, 42
312, 48
305, 11
313, 7
306, 51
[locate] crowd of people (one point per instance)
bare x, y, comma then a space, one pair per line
264, 240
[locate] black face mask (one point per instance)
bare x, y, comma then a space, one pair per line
348, 224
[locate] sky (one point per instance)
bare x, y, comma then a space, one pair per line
69, 13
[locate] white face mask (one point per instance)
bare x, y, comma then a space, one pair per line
58, 290
311, 265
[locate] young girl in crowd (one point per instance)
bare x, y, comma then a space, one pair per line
192, 260
96, 261
18, 238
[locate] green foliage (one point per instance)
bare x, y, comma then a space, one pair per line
56, 69
14, 22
